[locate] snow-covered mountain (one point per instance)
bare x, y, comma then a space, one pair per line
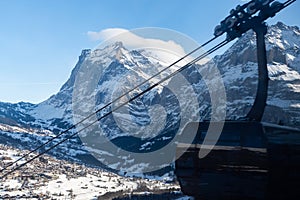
114, 69
238, 66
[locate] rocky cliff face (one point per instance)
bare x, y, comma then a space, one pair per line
239, 68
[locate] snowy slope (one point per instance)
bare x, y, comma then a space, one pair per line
50, 178
239, 68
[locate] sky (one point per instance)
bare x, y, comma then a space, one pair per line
40, 41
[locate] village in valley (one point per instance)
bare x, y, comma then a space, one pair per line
50, 178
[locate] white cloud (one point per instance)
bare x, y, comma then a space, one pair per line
166, 51
133, 41
105, 34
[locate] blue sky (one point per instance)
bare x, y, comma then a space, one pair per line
40, 41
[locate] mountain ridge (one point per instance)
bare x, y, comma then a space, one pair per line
237, 66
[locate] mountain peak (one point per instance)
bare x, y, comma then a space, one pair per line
107, 53
280, 25
280, 40
283, 27
84, 53
110, 47
118, 44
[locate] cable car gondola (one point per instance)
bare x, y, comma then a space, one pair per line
251, 159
